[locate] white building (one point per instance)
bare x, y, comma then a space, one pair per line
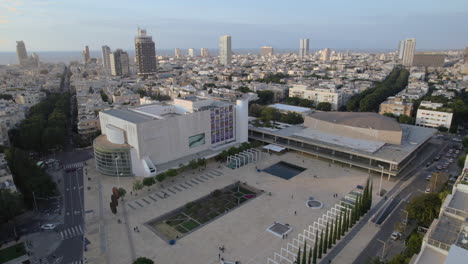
149, 139
177, 53
432, 115
326, 53
204, 53
318, 95
266, 51
29, 98
406, 51
191, 52
119, 63
225, 52
303, 47
106, 51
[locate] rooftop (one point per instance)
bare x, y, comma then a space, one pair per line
362, 120
285, 107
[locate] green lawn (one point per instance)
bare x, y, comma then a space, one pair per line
12, 252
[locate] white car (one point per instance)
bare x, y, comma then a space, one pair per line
428, 178
428, 190
48, 227
395, 235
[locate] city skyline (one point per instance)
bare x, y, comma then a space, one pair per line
366, 25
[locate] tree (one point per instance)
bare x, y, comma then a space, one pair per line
143, 260
314, 257
11, 204
465, 142
137, 185
104, 96
244, 89
265, 97
324, 106
326, 240
122, 192
404, 119
304, 254
148, 181
6, 97
270, 113
461, 161
414, 243
442, 129
256, 110
306, 103
320, 245
424, 208
298, 258
160, 177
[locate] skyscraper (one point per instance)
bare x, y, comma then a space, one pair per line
177, 53
303, 47
86, 55
266, 51
326, 54
191, 52
406, 51
119, 63
145, 54
106, 51
21, 52
204, 53
225, 53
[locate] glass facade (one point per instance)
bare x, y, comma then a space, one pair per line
222, 124
113, 161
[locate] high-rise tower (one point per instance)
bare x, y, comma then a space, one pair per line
106, 51
303, 47
21, 52
204, 52
145, 54
225, 53
406, 51
86, 56
119, 63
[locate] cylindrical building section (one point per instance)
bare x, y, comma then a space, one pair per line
112, 159
242, 120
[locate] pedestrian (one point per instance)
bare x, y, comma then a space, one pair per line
295, 213
219, 255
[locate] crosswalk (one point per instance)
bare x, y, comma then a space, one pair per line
71, 232
73, 165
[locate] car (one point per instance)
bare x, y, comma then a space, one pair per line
437, 158
428, 164
454, 155
439, 167
395, 235
428, 178
48, 227
445, 166
450, 160
428, 190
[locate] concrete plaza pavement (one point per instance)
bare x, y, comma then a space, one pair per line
237, 231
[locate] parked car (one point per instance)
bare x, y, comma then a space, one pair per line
48, 227
437, 158
428, 178
428, 190
395, 235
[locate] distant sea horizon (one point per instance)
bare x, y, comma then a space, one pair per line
10, 58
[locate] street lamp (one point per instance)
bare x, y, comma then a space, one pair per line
383, 249
381, 178
117, 170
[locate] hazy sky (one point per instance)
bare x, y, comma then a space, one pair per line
47, 25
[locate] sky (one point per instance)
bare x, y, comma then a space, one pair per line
68, 25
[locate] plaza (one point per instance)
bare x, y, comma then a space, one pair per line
283, 202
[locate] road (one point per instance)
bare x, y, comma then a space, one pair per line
413, 170
416, 188
71, 232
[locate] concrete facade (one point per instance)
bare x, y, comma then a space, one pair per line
164, 133
396, 106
